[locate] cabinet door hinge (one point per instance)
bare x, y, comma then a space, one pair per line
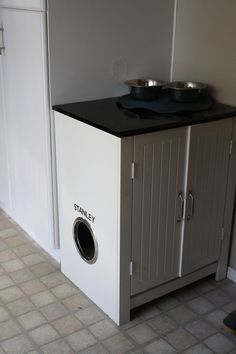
131, 268
231, 147
222, 233
132, 170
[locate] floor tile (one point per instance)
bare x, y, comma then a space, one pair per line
57, 347
24, 250
3, 245
17, 345
134, 321
43, 334
104, 329
230, 307
182, 314
180, 339
32, 287
11, 294
90, 315
147, 311
219, 343
141, 333
77, 302
200, 305
16, 241
167, 303
160, 346
54, 311
33, 259
22, 275
5, 223
13, 265
5, 282
96, 349
186, 294
8, 232
200, 329
230, 288
162, 324
198, 349
53, 279
64, 291
67, 325
216, 318
31, 320
4, 315
203, 286
81, 340
43, 298
218, 297
42, 269
118, 344
7, 255
8, 329
20, 306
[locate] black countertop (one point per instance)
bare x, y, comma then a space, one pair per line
106, 115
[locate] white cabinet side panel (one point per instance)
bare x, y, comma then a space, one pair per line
88, 176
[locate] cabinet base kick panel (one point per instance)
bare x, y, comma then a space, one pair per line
173, 285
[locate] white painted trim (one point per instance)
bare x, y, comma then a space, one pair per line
173, 40
231, 274
56, 231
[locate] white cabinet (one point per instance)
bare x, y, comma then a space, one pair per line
27, 125
179, 192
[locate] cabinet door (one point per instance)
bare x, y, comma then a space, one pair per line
25, 96
206, 187
156, 234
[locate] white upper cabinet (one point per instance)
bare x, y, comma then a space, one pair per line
38, 5
25, 96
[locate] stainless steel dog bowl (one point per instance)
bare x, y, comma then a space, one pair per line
186, 91
142, 89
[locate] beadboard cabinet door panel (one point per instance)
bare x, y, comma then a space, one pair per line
26, 103
156, 234
205, 198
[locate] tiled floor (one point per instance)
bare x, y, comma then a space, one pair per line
42, 312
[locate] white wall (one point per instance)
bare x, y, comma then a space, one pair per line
205, 50
96, 45
205, 45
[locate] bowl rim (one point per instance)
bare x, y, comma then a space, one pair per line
199, 85
134, 83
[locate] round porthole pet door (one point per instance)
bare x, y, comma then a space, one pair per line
85, 241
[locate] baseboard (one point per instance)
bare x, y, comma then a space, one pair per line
54, 253
231, 274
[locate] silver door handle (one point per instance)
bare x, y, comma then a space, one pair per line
191, 211
2, 47
181, 200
